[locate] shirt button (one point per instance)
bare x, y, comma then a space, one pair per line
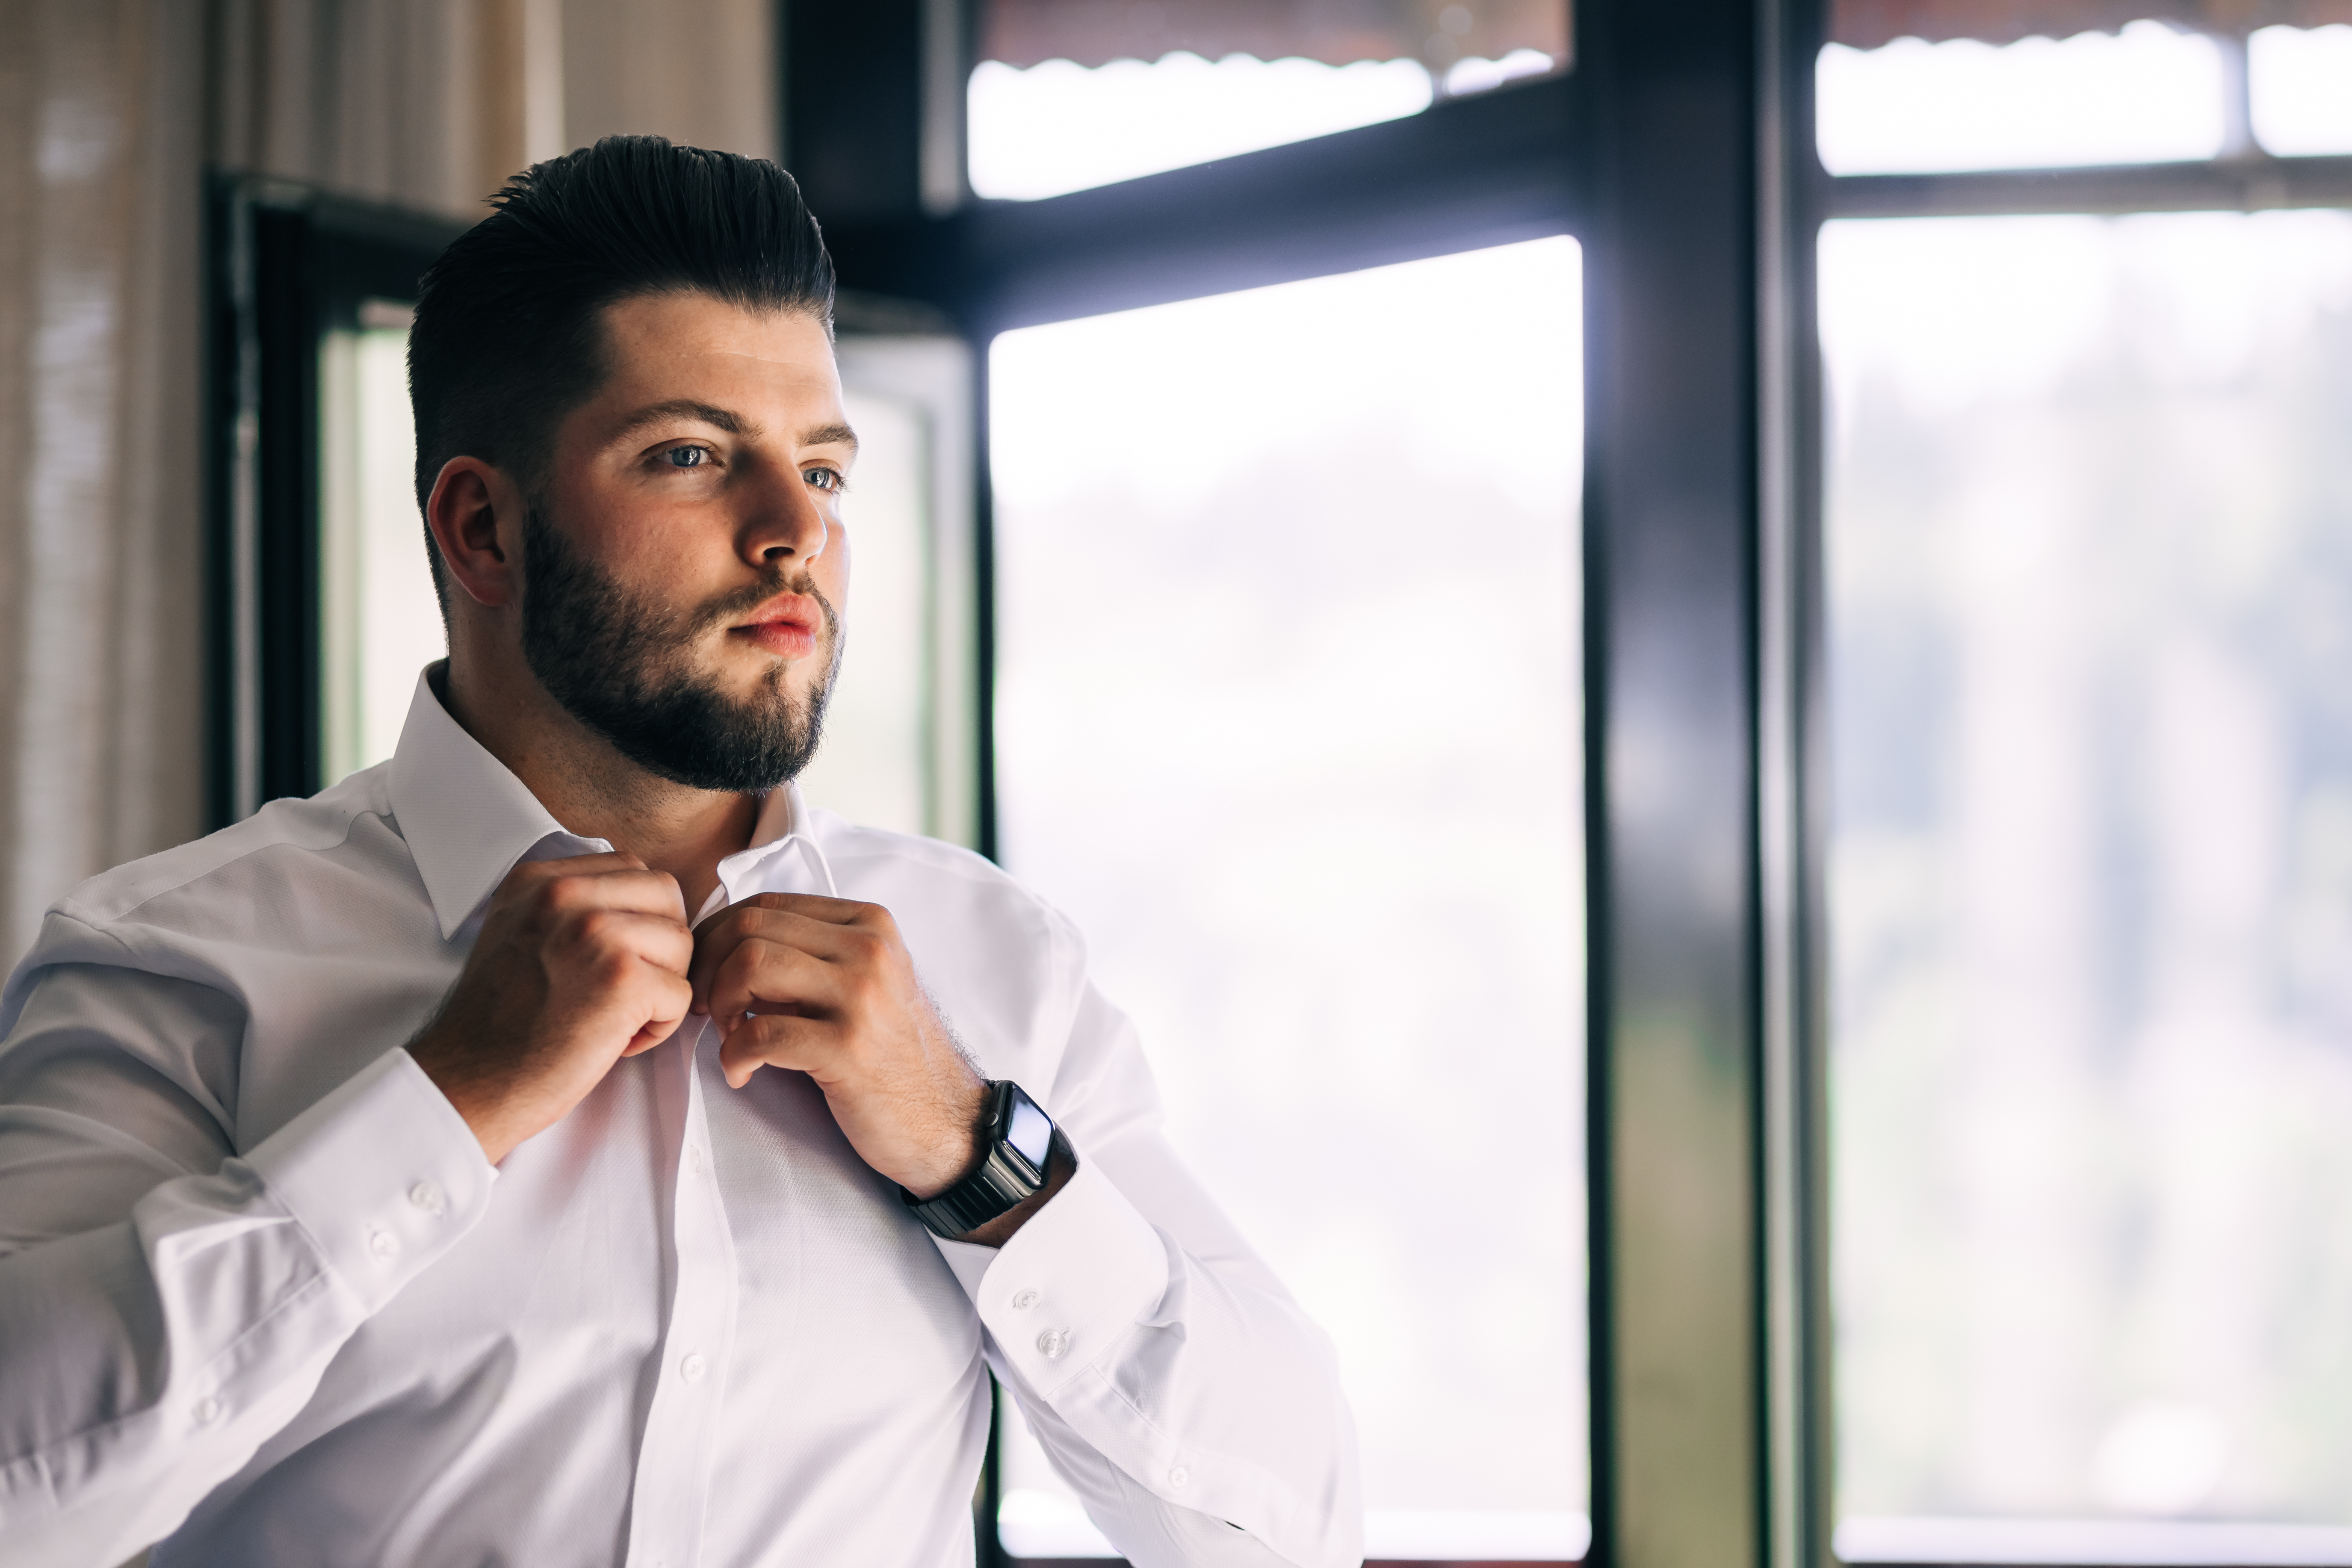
383, 1244
692, 1368
1052, 1343
693, 1158
1023, 1300
427, 1196
206, 1412
1179, 1476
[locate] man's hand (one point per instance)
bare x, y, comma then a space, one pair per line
581, 962
831, 991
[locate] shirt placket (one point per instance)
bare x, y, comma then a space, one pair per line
673, 1457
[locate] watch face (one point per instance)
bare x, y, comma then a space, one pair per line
1030, 1133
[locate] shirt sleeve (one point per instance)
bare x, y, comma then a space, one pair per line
1169, 1376
166, 1303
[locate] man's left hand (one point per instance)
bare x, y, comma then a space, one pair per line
830, 990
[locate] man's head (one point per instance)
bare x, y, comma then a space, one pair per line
630, 454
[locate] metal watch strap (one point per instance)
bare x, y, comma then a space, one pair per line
1000, 1184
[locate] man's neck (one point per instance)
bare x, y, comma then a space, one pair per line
596, 792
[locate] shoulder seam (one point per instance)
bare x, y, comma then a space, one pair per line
96, 923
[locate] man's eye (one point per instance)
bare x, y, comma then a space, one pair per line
686, 457
824, 479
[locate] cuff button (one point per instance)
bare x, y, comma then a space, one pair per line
1179, 1476
1052, 1343
1023, 1300
427, 1196
383, 1244
206, 1412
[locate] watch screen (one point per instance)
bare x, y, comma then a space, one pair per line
1031, 1133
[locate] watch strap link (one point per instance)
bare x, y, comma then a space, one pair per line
1003, 1180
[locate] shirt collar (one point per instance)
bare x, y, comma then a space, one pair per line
468, 821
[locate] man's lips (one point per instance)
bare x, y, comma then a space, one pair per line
786, 627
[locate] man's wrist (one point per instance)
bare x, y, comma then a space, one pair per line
970, 1148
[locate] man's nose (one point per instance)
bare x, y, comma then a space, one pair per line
787, 525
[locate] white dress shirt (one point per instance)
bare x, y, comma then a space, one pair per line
261, 1294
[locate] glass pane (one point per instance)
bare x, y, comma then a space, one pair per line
2301, 89
2090, 612
1287, 721
1071, 93
379, 622
874, 764
2145, 94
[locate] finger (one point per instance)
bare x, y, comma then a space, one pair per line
653, 939
618, 887
767, 974
574, 866
716, 942
663, 994
776, 1039
815, 906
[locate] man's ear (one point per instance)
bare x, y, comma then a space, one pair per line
475, 515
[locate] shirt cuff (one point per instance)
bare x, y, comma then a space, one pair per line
383, 1174
1071, 1285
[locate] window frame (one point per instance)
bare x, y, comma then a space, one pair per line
286, 264
1679, 152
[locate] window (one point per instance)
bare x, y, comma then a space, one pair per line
1067, 94
2143, 93
379, 621
2089, 587
900, 740
2084, 587
1287, 720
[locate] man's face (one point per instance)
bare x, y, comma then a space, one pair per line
685, 566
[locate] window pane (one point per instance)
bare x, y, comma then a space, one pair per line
2145, 94
1286, 708
380, 623
899, 731
873, 766
1072, 93
2301, 89
2090, 612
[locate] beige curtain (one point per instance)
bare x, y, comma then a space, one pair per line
110, 109
101, 137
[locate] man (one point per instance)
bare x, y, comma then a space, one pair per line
523, 1152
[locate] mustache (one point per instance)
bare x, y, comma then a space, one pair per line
726, 609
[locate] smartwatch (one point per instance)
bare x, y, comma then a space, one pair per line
1017, 1141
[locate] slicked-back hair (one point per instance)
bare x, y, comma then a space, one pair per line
507, 337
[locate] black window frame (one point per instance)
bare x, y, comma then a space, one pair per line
286, 264
1678, 151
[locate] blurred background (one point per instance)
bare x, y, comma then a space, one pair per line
1807, 546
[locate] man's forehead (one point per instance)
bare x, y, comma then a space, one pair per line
691, 356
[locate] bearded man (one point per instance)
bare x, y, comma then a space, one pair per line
561, 1145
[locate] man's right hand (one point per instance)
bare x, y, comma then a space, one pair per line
579, 962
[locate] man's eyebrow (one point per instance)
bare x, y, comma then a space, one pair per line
828, 435
684, 408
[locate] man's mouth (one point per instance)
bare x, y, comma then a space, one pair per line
785, 627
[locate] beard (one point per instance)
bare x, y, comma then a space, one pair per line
622, 665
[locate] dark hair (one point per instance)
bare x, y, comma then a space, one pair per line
507, 338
